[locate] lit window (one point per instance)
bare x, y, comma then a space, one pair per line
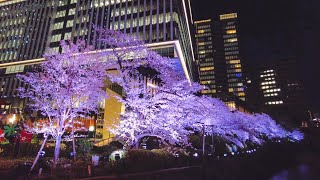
206, 91
14, 69
206, 68
206, 82
69, 23
233, 61
231, 40
72, 11
231, 31
60, 14
228, 16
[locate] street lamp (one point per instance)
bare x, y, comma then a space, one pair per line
12, 119
91, 128
204, 137
92, 132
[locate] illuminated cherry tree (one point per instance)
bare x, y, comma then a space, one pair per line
129, 60
67, 85
160, 102
150, 113
238, 127
146, 78
172, 112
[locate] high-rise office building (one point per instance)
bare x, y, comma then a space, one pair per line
270, 87
281, 90
231, 42
204, 55
28, 27
218, 57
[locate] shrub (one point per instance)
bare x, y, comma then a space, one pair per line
6, 150
146, 160
9, 163
49, 149
28, 149
84, 148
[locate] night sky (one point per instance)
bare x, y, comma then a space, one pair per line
275, 29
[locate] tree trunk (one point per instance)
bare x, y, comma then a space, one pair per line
41, 148
136, 145
57, 149
17, 146
73, 142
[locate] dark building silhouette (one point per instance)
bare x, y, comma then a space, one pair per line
277, 89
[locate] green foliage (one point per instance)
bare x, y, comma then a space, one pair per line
25, 149
9, 130
84, 148
4, 142
35, 139
195, 140
146, 160
49, 149
12, 163
28, 149
6, 150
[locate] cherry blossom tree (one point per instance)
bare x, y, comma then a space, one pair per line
67, 85
129, 59
173, 111
239, 127
138, 70
149, 113
163, 104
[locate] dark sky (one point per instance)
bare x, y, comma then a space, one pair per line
275, 29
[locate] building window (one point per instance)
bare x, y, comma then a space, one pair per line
207, 68
231, 31
60, 14
231, 40
56, 38
14, 69
228, 16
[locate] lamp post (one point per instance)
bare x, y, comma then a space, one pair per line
204, 138
12, 119
91, 130
203, 147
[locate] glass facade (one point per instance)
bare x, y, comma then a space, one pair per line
233, 59
204, 55
27, 28
218, 56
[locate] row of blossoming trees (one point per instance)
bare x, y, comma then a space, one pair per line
159, 100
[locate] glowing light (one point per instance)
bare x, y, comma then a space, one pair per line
118, 154
202, 21
12, 119
195, 155
42, 153
91, 128
152, 85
